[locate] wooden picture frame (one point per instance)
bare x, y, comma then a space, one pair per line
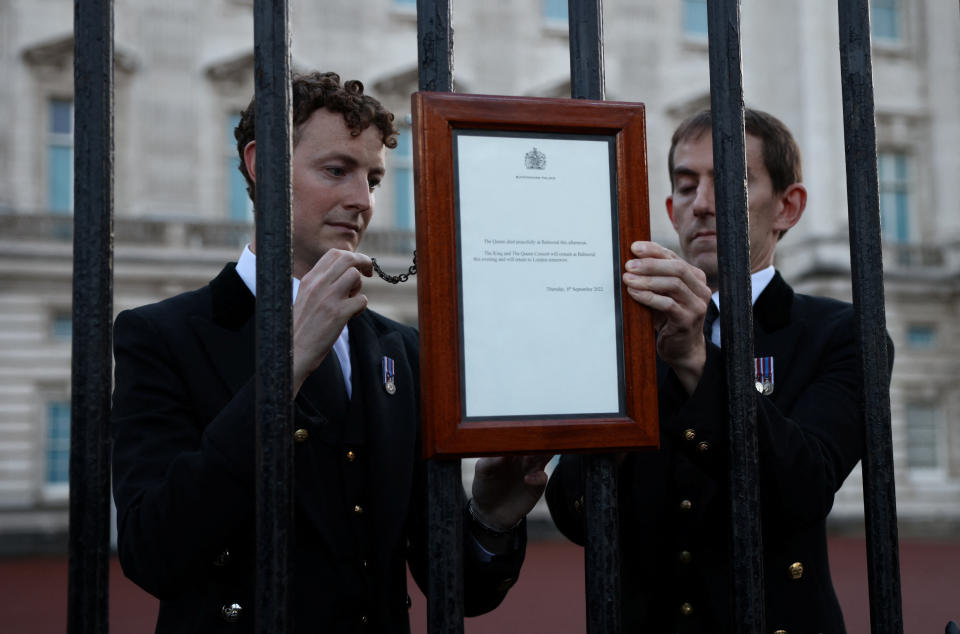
555, 377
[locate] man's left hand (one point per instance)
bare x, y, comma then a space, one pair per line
507, 487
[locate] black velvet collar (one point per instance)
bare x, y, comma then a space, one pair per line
233, 303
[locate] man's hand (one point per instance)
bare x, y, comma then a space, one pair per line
329, 296
677, 294
507, 487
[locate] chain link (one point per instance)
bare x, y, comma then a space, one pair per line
396, 279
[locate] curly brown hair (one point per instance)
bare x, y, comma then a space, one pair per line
321, 90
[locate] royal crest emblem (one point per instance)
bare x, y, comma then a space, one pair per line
535, 160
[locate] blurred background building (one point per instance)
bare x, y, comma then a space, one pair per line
184, 70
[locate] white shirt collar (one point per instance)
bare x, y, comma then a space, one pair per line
247, 270
758, 282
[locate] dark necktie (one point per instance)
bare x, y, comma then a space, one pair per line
325, 388
712, 314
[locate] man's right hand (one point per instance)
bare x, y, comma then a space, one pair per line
330, 294
677, 294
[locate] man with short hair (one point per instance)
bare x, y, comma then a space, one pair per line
675, 503
183, 418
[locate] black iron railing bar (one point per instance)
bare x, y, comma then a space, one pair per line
89, 541
736, 319
444, 482
602, 550
866, 267
274, 317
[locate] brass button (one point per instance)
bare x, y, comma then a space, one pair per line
301, 435
685, 557
222, 559
689, 434
364, 619
703, 447
686, 609
578, 504
364, 563
686, 505
796, 570
231, 612
351, 456
358, 509
780, 632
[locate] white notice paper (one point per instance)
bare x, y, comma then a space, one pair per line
539, 280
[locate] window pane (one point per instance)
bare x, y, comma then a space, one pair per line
403, 209
893, 169
402, 169
555, 10
62, 326
240, 205
921, 436
695, 17
921, 336
885, 19
58, 442
61, 116
60, 178
404, 143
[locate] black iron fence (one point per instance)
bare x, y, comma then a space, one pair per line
93, 293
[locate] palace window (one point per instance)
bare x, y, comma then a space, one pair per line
239, 205
921, 336
555, 11
923, 442
695, 17
58, 442
403, 180
894, 175
885, 19
60, 156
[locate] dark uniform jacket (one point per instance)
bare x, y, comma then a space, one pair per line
184, 472
675, 502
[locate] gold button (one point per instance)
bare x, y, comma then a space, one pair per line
364, 563
301, 435
685, 557
351, 456
689, 434
780, 632
796, 570
364, 619
222, 559
686, 505
686, 609
578, 504
358, 509
231, 612
703, 447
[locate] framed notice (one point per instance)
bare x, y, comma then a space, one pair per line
526, 209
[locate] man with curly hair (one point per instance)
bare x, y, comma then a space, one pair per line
183, 418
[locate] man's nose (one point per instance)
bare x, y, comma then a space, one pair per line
704, 202
360, 196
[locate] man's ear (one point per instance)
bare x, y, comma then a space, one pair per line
250, 159
669, 204
793, 201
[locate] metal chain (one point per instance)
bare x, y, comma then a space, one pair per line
396, 279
